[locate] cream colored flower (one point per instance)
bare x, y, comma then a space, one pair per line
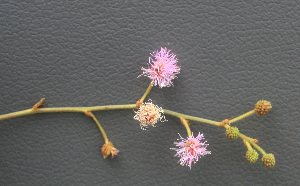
148, 115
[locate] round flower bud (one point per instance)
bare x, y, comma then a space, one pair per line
252, 155
268, 160
232, 133
262, 107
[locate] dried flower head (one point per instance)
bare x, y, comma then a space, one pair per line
108, 149
162, 68
191, 149
148, 115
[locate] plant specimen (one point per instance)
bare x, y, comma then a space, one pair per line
162, 69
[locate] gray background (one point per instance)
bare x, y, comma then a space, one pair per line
84, 53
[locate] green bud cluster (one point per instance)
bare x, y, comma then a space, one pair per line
262, 107
252, 155
232, 133
268, 160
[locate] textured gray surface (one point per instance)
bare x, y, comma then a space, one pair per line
83, 53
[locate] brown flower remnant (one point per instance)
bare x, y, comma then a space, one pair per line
108, 149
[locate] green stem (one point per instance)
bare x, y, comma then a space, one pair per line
249, 147
127, 106
193, 118
242, 116
146, 93
186, 125
99, 126
66, 109
252, 143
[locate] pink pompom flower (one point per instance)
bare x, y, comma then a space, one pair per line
162, 68
191, 149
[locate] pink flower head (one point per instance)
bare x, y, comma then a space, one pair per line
191, 149
162, 68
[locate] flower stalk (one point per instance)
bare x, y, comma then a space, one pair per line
244, 137
186, 125
247, 144
140, 101
247, 114
90, 114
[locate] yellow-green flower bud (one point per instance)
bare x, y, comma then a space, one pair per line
232, 133
268, 160
262, 107
252, 155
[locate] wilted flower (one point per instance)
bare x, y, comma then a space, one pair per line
148, 114
108, 149
163, 68
191, 149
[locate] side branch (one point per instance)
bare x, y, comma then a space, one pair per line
193, 118
242, 116
90, 114
244, 137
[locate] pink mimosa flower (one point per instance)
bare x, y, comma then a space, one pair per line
162, 68
191, 149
